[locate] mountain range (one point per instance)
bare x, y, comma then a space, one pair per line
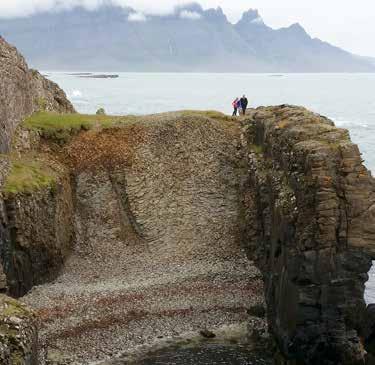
191, 39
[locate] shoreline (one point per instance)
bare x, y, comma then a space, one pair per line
236, 334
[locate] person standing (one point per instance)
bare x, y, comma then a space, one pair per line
244, 103
235, 106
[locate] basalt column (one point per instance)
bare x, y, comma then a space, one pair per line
311, 214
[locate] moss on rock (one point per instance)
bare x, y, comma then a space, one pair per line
28, 175
18, 334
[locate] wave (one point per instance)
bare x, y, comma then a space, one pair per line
352, 124
76, 94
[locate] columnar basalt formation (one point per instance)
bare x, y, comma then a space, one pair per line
311, 215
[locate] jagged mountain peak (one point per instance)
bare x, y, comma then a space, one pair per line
216, 14
251, 18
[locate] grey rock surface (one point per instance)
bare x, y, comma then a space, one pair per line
311, 203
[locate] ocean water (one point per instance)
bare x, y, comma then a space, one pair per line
348, 99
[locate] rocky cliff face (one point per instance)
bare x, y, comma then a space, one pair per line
33, 253
24, 91
182, 190
311, 206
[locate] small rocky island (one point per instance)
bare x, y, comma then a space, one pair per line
118, 231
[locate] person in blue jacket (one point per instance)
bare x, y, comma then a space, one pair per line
244, 102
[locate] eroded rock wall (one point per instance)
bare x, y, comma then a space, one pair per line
311, 229
178, 178
39, 234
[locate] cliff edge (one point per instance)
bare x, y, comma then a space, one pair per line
23, 92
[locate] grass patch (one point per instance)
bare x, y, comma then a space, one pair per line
27, 176
208, 114
61, 127
257, 149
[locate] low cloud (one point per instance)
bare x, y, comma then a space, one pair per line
137, 17
192, 15
12, 8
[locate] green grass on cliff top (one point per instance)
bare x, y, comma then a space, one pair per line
61, 127
27, 176
45, 121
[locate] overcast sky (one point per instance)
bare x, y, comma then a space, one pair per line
346, 23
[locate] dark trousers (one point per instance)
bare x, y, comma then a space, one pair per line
234, 112
244, 110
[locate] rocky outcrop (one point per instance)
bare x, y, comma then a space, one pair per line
39, 234
24, 91
310, 211
33, 255
18, 334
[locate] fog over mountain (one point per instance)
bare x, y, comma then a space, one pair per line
113, 38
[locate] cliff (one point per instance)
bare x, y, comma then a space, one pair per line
120, 230
24, 91
187, 192
311, 216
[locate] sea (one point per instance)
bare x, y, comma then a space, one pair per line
348, 99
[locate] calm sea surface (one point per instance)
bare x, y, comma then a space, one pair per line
348, 99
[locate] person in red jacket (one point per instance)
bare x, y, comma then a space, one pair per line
235, 105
